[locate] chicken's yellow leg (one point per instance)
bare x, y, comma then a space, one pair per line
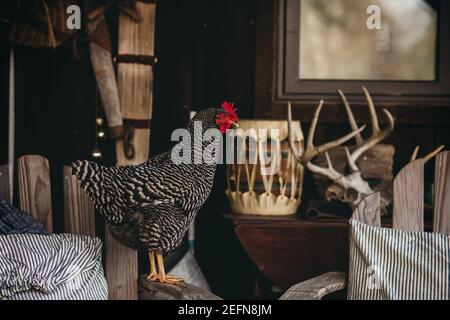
162, 276
152, 275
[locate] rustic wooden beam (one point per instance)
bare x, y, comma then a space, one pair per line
441, 217
4, 183
408, 197
34, 188
79, 212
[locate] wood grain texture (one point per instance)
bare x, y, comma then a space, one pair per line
4, 183
441, 217
288, 250
184, 291
34, 188
135, 81
121, 269
408, 197
368, 210
266, 44
79, 212
316, 288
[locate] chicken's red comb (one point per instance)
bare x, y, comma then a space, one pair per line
225, 120
229, 107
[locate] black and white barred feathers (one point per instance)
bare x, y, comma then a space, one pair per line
151, 205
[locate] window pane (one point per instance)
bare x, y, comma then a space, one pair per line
335, 42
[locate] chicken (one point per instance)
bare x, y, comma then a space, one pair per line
150, 206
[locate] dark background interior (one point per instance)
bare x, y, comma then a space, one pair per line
207, 52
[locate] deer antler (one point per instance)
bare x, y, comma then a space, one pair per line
428, 157
312, 151
342, 184
377, 134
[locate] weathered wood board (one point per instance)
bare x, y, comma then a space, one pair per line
316, 288
4, 182
135, 82
368, 210
441, 218
79, 212
408, 197
183, 291
34, 188
121, 269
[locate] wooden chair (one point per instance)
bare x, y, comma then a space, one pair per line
35, 196
408, 215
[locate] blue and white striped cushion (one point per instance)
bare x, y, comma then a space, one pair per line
51, 267
390, 264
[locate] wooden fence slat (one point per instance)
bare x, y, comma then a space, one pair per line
408, 197
34, 188
121, 269
368, 210
441, 218
4, 183
79, 212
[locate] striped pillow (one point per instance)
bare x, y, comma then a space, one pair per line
390, 264
51, 267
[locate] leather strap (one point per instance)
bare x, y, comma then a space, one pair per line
138, 123
134, 58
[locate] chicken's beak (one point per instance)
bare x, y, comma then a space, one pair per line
234, 124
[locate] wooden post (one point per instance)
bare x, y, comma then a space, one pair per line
408, 197
79, 212
441, 216
135, 82
4, 183
34, 188
121, 269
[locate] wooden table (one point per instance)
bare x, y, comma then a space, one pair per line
289, 249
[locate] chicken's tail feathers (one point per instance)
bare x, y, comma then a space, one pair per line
78, 167
86, 171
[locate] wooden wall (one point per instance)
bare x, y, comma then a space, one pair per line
207, 52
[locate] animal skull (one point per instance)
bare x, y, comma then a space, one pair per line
348, 188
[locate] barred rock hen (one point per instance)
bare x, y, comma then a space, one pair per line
150, 206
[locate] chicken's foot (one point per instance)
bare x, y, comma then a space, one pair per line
152, 275
161, 275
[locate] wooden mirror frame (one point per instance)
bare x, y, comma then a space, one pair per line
409, 101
